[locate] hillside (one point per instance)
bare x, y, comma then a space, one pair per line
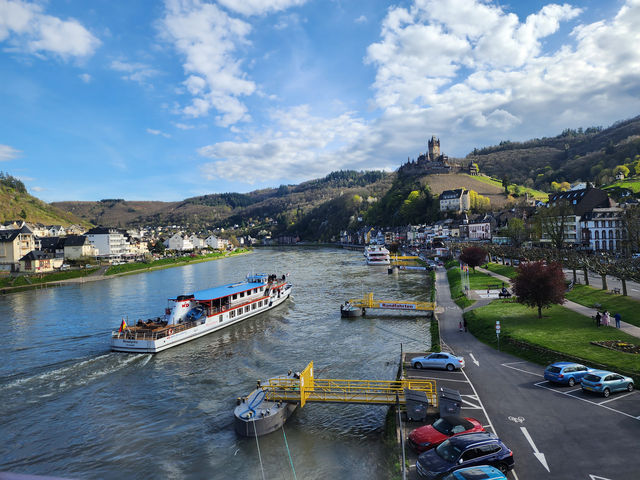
440, 183
275, 208
17, 204
589, 154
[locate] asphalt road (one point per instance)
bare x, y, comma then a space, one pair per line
554, 432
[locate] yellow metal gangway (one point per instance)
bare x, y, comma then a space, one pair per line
369, 302
405, 260
310, 389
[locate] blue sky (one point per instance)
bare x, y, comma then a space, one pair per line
148, 100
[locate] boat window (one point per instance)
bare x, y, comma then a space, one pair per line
241, 294
232, 313
253, 307
235, 296
220, 321
246, 309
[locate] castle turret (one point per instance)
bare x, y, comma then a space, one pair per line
434, 148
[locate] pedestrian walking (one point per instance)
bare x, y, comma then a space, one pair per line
465, 324
460, 327
606, 318
617, 317
598, 319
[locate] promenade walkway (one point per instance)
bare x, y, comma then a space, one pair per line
576, 307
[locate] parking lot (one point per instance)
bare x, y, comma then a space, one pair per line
624, 403
471, 403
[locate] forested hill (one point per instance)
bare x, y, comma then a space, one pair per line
279, 207
17, 204
582, 154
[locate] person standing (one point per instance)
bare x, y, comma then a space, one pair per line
605, 318
617, 317
598, 318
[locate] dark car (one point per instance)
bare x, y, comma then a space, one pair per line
430, 436
467, 450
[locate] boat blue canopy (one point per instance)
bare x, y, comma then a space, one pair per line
226, 290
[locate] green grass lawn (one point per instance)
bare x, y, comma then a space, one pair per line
482, 281
537, 194
559, 329
37, 279
455, 286
632, 184
504, 270
626, 306
167, 262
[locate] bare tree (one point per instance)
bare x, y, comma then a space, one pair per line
554, 220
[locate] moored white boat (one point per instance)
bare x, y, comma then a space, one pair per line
377, 255
191, 316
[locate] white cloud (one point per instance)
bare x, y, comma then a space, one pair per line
473, 71
158, 132
26, 28
133, 71
37, 189
259, 7
207, 37
184, 126
361, 19
85, 77
299, 146
8, 153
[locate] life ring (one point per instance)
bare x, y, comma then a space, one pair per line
170, 332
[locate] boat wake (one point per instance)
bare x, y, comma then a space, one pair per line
59, 379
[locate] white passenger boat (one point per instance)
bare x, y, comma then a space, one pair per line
377, 255
191, 316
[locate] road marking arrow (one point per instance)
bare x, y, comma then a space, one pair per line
474, 359
595, 477
536, 453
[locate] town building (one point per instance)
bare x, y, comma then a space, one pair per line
110, 243
456, 201
78, 246
179, 242
37, 261
15, 244
603, 229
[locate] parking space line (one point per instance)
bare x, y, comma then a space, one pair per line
616, 398
472, 405
539, 384
508, 365
575, 390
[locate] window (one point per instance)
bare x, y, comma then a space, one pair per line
241, 294
597, 235
220, 318
471, 454
597, 244
489, 449
253, 307
232, 313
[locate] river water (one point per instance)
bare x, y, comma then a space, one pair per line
72, 408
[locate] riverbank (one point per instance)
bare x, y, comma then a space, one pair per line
103, 273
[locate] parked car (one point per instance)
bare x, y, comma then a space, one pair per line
438, 360
606, 383
430, 436
467, 450
567, 373
484, 472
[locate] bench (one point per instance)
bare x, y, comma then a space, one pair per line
504, 294
615, 291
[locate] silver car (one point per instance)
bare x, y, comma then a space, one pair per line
438, 360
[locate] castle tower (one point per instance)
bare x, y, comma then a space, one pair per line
434, 148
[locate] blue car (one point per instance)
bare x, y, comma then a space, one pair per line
461, 451
567, 373
438, 360
483, 472
606, 383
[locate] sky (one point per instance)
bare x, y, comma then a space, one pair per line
151, 100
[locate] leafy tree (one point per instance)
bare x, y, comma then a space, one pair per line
473, 256
539, 285
631, 223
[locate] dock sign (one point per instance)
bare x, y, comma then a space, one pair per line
399, 306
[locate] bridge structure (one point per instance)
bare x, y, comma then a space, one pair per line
369, 302
307, 389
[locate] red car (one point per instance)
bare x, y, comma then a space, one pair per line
430, 436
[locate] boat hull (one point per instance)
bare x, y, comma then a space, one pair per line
254, 416
129, 345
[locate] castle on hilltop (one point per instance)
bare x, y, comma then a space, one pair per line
432, 162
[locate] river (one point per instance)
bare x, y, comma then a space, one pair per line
72, 408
